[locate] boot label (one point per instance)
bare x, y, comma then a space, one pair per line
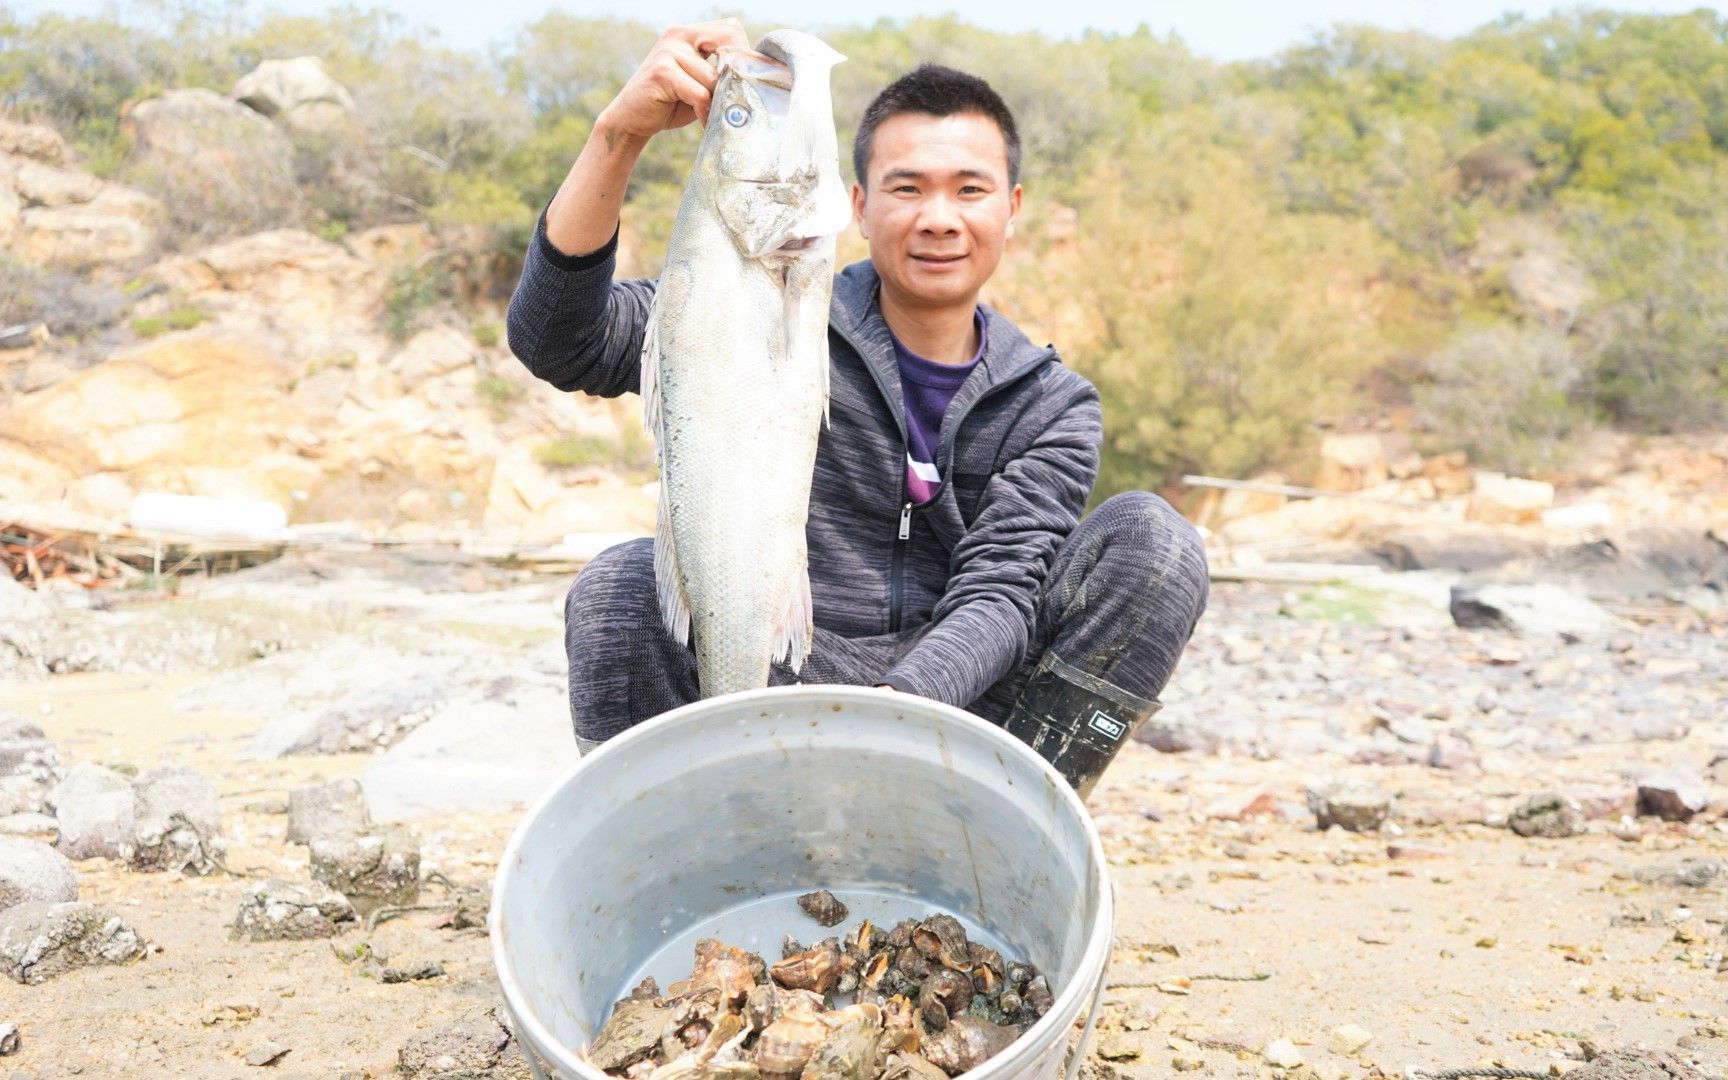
1106, 725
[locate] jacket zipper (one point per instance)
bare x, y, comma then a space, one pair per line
903, 537
897, 572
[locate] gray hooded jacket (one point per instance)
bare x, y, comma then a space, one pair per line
958, 576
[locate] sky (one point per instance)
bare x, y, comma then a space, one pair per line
1220, 29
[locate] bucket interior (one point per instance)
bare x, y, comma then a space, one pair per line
710, 820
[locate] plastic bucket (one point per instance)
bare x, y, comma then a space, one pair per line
710, 819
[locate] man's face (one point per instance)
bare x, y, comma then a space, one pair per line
936, 206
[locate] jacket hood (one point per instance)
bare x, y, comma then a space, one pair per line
857, 314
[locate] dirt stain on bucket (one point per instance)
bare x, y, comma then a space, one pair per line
972, 861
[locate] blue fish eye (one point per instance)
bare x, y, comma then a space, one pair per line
737, 115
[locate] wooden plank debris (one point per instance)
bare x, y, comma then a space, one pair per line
1291, 491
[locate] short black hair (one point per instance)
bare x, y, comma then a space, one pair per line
938, 91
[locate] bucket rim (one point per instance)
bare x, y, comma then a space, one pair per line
1033, 1042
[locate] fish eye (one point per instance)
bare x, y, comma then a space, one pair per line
737, 115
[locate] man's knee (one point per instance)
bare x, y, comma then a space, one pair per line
617, 583
1161, 543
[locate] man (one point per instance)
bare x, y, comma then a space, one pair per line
947, 558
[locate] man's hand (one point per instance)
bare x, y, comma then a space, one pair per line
674, 85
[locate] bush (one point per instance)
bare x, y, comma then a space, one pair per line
1658, 322
414, 292
180, 318
487, 334
1221, 335
631, 452
1505, 394
70, 306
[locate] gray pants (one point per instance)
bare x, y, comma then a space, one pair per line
1121, 602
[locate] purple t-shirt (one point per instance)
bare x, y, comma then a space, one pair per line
928, 387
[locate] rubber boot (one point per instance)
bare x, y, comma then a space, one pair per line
1075, 720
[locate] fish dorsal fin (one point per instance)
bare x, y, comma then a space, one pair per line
668, 580
649, 376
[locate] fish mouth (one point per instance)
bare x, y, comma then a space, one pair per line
803, 243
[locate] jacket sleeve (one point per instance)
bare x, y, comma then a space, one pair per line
572, 325
981, 626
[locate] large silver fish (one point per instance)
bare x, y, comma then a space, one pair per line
735, 364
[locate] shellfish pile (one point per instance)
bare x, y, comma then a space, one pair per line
922, 1003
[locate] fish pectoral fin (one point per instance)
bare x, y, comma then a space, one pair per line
668, 580
794, 632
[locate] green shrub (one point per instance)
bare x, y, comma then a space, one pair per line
487, 334
414, 292
70, 306
496, 390
631, 453
184, 317
1505, 394
574, 450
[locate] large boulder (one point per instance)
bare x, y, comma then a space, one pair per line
176, 822
477, 1044
1540, 609
371, 871
297, 92
94, 807
25, 619
51, 215
76, 237
32, 871
280, 268
333, 809
51, 185
185, 402
290, 911
1352, 462
11, 213
529, 503
1508, 500
32, 141
224, 168
431, 353
39, 940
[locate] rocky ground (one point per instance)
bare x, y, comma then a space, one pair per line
1250, 942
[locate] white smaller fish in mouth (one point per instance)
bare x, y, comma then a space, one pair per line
735, 364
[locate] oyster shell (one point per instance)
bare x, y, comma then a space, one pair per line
905, 1066
900, 1030
817, 968
785, 1046
823, 906
630, 1034
944, 994
966, 1043
849, 1052
727, 969
941, 937
719, 1057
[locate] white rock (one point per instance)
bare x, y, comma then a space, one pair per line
1507, 500
1282, 1054
1349, 1039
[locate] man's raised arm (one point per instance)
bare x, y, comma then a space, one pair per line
568, 322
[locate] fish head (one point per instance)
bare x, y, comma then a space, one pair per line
770, 152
